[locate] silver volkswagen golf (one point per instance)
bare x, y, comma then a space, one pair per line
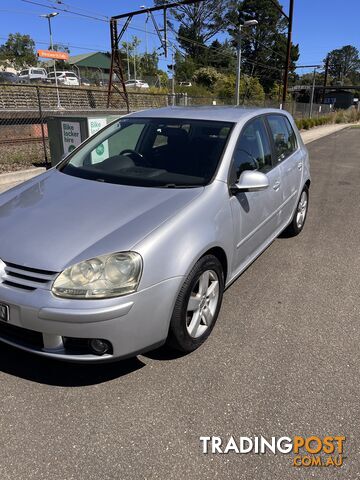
110, 254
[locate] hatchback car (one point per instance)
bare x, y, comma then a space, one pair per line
136, 84
64, 78
104, 257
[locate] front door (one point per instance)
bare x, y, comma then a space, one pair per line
255, 214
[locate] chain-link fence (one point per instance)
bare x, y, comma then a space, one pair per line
25, 110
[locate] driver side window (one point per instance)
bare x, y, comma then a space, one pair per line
253, 150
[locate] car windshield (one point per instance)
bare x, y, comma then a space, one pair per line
153, 152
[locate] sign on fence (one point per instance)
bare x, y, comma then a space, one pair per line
71, 135
53, 54
102, 151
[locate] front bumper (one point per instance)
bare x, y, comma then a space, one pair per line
131, 324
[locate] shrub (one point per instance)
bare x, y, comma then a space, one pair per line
306, 123
206, 76
299, 123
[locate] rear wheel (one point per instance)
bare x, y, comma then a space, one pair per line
298, 221
197, 306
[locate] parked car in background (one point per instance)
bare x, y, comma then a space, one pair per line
64, 78
85, 81
185, 84
33, 74
104, 258
136, 84
8, 77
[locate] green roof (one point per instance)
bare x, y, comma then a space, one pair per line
91, 60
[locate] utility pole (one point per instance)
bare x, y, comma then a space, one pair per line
49, 16
116, 66
238, 69
173, 75
288, 51
135, 63
312, 93
248, 23
128, 59
325, 78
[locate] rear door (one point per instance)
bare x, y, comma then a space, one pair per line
288, 156
255, 214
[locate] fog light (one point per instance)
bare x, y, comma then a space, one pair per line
99, 347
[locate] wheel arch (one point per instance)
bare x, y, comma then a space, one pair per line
220, 254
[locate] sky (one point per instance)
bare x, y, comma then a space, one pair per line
319, 25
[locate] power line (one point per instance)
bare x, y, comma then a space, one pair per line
65, 44
258, 41
221, 52
65, 10
60, 2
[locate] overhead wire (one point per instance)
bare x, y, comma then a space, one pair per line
65, 10
185, 39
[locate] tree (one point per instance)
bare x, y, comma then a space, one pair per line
221, 56
148, 64
19, 50
130, 57
207, 76
184, 67
57, 47
197, 24
344, 63
263, 46
250, 89
61, 64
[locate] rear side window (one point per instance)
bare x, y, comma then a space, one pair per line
283, 136
253, 150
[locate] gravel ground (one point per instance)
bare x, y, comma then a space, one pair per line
21, 156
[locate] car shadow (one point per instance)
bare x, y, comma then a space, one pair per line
284, 234
164, 353
62, 374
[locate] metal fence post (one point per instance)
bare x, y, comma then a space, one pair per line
42, 126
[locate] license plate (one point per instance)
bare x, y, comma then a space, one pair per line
4, 313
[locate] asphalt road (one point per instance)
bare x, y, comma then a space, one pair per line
282, 360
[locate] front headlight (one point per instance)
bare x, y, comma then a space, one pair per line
101, 277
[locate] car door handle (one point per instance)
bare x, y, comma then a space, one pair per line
276, 185
300, 166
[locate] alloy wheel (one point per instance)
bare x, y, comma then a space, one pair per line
202, 304
301, 209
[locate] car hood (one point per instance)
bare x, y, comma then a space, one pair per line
56, 220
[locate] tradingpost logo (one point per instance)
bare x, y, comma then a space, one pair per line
311, 451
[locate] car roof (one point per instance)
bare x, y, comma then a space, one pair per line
216, 113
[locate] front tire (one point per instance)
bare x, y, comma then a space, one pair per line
197, 306
298, 221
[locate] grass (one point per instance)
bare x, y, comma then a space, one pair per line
15, 157
343, 116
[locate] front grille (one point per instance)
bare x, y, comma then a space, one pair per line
28, 338
27, 278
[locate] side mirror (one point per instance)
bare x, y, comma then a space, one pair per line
250, 181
